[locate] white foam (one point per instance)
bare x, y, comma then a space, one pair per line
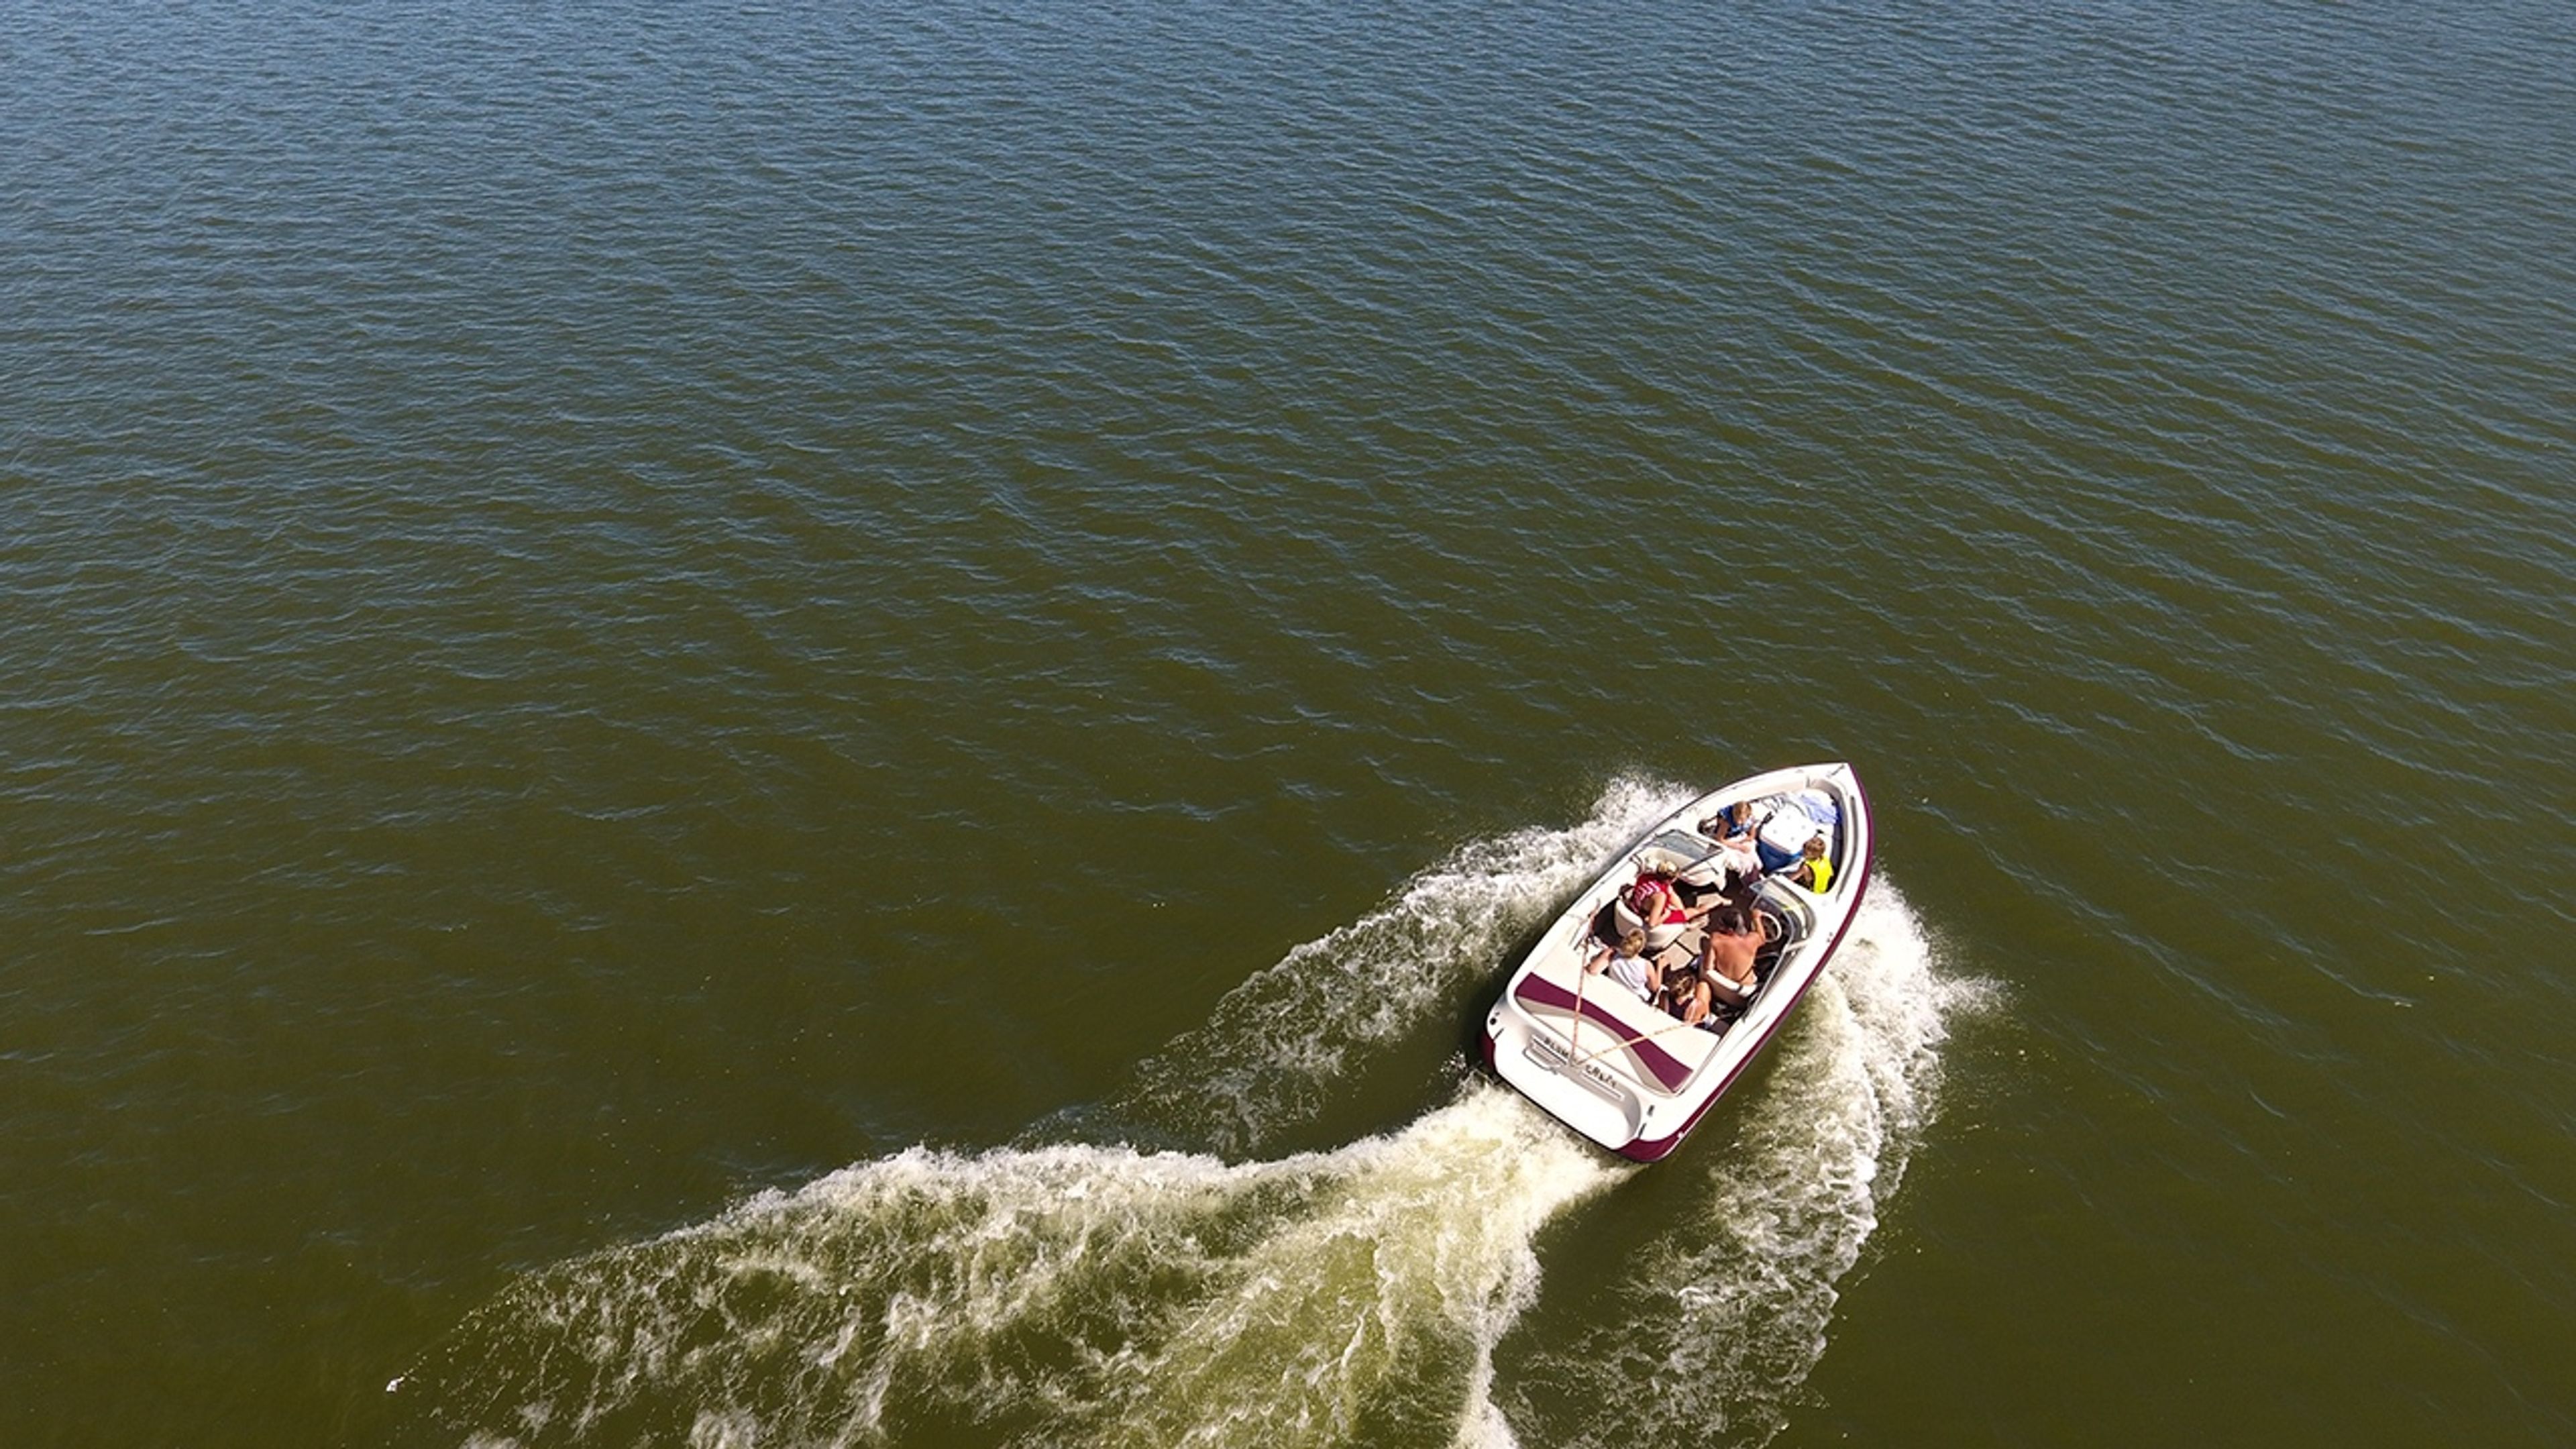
1083, 1293
1279, 1042
1064, 1294
1732, 1306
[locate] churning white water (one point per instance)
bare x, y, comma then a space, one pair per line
1084, 1293
1727, 1305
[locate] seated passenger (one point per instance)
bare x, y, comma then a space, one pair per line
1735, 934
1627, 965
1733, 830
1686, 996
1814, 871
1656, 900
1730, 823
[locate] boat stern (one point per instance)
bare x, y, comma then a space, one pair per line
1539, 1063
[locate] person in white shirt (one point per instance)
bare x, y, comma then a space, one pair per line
1626, 964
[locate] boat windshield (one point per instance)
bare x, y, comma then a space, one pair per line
1683, 843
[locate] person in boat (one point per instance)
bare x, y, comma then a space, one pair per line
1626, 963
1814, 871
1657, 900
1688, 997
1733, 830
1726, 964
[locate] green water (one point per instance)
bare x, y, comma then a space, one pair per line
821, 724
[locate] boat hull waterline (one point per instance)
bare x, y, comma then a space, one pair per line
1619, 1069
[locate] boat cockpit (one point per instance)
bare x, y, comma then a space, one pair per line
1783, 910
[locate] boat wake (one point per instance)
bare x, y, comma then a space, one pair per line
1278, 1045
1070, 1292
1723, 1310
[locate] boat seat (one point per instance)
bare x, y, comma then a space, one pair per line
1624, 919
1613, 921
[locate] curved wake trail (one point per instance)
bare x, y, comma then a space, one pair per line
1729, 1307
1277, 1045
1084, 1294
1061, 1295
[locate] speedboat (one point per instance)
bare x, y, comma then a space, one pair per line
1620, 1069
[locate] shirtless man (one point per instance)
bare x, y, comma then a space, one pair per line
1735, 933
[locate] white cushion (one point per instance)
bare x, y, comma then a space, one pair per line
1790, 830
1625, 918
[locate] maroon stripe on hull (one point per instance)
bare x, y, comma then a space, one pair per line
1666, 1068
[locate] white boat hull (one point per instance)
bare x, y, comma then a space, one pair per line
1618, 1069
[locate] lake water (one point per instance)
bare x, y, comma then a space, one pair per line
820, 724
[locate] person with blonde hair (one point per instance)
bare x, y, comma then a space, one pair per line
1658, 900
1626, 964
1733, 828
1814, 871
